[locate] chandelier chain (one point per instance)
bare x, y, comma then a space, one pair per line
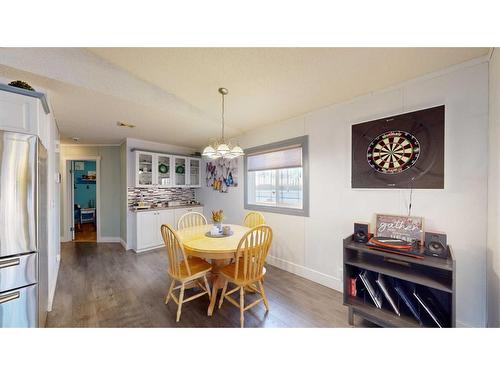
223, 117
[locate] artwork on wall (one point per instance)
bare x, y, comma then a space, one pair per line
79, 165
405, 151
408, 228
222, 174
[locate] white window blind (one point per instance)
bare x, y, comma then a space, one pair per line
290, 157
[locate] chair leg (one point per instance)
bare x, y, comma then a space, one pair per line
263, 293
172, 284
207, 286
242, 306
181, 299
223, 293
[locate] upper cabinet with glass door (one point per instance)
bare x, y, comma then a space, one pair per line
160, 170
145, 173
194, 172
164, 175
180, 166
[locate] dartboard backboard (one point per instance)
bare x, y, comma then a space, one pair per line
404, 151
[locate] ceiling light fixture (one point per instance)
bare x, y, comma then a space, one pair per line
220, 148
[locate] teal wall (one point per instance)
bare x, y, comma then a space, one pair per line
85, 190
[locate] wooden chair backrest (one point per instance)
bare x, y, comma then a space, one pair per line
253, 218
252, 252
191, 219
175, 251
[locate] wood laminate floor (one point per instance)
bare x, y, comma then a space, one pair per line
102, 285
86, 232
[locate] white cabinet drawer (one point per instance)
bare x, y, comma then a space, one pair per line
19, 113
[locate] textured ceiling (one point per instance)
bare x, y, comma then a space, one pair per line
267, 85
170, 94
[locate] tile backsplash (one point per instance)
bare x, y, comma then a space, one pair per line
159, 195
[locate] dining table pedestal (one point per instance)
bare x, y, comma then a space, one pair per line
219, 251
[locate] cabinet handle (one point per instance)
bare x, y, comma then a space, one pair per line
10, 262
9, 297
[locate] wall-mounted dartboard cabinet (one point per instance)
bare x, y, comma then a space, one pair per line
404, 151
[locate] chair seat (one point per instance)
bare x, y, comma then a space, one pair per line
230, 270
197, 266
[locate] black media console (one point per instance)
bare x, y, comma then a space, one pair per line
422, 290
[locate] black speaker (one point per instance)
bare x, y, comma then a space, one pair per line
435, 245
361, 234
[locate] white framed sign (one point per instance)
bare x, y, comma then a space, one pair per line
408, 228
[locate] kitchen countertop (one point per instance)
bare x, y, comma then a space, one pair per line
135, 209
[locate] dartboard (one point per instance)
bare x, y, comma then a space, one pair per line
393, 152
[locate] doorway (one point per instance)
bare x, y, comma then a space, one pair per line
83, 200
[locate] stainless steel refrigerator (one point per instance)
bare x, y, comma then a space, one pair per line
23, 231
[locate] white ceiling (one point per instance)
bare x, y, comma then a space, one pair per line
171, 93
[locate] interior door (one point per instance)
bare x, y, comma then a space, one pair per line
72, 200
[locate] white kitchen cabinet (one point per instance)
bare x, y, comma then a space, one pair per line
194, 172
147, 230
148, 225
145, 169
178, 212
165, 217
180, 171
164, 170
19, 113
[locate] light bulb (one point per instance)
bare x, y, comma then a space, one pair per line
223, 149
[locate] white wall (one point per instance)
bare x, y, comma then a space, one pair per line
54, 251
493, 253
312, 246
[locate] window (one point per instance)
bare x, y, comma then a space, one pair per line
276, 177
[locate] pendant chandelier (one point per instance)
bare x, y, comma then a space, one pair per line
220, 148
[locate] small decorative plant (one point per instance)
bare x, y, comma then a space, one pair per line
21, 85
217, 216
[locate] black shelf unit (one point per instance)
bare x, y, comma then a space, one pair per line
430, 274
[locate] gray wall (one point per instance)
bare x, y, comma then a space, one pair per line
493, 245
123, 191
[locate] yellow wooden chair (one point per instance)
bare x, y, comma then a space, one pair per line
183, 270
248, 269
191, 219
253, 218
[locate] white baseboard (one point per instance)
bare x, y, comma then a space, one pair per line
109, 239
61, 239
148, 249
307, 273
124, 244
52, 290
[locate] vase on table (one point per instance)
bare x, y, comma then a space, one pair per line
218, 224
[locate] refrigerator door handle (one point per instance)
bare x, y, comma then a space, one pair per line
9, 297
4, 263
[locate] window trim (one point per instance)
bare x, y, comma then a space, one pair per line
303, 142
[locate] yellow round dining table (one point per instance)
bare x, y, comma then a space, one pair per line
216, 250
